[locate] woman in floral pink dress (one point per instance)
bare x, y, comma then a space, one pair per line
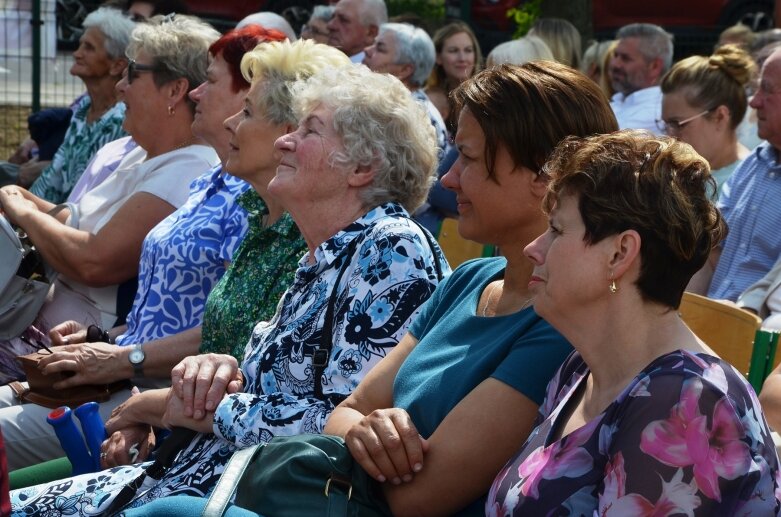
643, 418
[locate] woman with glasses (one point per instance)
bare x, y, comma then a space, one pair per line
704, 101
96, 244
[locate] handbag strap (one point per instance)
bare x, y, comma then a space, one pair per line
229, 481
322, 353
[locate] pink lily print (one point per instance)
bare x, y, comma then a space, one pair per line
684, 439
677, 497
564, 458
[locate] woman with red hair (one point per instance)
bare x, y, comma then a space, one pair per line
182, 258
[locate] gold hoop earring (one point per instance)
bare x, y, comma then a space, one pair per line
171, 111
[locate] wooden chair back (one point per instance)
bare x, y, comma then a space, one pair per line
727, 329
458, 250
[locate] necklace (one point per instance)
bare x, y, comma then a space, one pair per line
490, 296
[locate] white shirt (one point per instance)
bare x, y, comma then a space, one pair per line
358, 58
638, 110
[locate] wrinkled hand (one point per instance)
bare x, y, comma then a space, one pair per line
91, 363
387, 445
123, 415
115, 450
174, 416
14, 203
68, 333
201, 381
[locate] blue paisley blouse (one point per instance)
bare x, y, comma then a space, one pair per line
387, 278
184, 256
685, 437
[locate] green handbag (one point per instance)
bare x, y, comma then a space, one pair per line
307, 475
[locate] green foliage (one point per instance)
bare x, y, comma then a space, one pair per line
524, 16
432, 11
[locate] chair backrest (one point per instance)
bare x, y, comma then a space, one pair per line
458, 250
727, 329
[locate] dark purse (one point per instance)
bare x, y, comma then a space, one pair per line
310, 474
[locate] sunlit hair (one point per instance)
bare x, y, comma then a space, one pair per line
562, 38
710, 82
115, 26
413, 46
438, 77
381, 126
280, 64
373, 12
656, 42
519, 51
657, 186
597, 56
178, 45
529, 109
234, 44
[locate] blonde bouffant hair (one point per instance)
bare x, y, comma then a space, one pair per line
279, 65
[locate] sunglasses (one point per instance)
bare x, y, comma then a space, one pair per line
133, 69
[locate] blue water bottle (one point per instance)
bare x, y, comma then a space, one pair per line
71, 440
93, 429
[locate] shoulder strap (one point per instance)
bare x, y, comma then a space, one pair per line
323, 352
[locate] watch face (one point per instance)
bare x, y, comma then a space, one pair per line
136, 356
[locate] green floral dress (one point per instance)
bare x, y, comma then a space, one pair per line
249, 291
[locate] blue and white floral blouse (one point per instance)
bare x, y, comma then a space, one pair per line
184, 256
388, 278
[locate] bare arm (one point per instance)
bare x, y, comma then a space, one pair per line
108, 257
466, 451
770, 398
97, 363
144, 408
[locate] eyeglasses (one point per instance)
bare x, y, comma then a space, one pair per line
134, 68
673, 126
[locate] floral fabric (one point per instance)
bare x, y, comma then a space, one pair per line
184, 256
388, 277
249, 292
686, 437
81, 143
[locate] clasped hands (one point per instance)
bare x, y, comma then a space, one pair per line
198, 384
387, 445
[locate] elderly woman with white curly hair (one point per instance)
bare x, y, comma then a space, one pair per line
362, 158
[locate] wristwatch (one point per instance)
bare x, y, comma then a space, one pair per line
136, 358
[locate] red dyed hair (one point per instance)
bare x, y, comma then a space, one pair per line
234, 44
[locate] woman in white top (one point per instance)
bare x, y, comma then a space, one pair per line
167, 58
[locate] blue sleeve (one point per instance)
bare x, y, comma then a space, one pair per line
533, 361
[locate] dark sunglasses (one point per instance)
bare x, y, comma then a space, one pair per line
134, 68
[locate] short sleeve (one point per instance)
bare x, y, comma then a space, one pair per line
533, 361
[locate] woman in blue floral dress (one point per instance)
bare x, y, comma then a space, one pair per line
367, 270
643, 418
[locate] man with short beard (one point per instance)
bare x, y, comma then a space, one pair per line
643, 54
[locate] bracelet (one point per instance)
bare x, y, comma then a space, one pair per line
96, 334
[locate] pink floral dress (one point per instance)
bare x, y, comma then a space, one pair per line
686, 437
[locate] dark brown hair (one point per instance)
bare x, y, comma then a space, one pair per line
530, 108
657, 186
